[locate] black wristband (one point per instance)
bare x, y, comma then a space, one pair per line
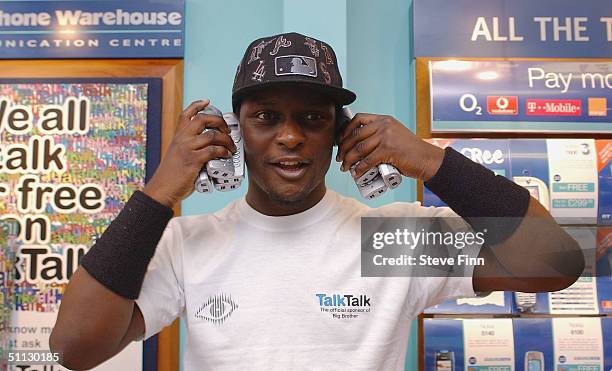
120, 258
478, 195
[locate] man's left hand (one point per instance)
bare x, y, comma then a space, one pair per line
378, 139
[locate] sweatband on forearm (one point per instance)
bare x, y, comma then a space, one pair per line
120, 258
483, 199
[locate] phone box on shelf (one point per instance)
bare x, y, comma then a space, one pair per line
491, 153
604, 269
572, 166
533, 344
562, 343
497, 302
488, 344
443, 344
581, 298
578, 343
529, 167
479, 344
604, 169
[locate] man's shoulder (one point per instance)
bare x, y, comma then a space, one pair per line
189, 224
393, 209
408, 209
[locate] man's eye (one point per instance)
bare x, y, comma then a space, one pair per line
266, 116
313, 116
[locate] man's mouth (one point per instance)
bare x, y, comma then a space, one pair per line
290, 170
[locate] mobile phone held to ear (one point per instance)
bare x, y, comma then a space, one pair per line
223, 174
374, 182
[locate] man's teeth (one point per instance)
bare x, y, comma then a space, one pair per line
286, 163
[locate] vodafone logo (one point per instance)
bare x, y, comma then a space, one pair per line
502, 105
554, 107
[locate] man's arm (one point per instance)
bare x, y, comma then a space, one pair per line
93, 323
530, 253
539, 256
525, 250
98, 316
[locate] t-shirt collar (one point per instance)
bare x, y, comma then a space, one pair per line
288, 222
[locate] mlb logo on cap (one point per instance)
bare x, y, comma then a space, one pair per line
295, 65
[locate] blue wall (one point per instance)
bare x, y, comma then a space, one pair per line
372, 40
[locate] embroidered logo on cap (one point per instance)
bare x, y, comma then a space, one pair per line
295, 65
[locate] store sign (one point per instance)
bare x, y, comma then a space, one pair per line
92, 29
513, 29
525, 96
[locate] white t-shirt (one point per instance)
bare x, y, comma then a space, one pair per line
261, 292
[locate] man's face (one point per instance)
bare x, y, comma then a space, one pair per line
288, 136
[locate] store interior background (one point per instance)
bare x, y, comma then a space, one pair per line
375, 36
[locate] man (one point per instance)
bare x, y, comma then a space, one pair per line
258, 283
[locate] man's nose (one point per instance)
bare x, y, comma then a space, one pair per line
290, 134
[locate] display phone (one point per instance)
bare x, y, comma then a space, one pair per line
534, 361
374, 182
525, 301
536, 187
445, 361
223, 174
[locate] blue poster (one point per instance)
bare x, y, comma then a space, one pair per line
92, 29
513, 29
606, 329
533, 344
443, 344
521, 96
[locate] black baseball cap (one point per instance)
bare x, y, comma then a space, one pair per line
290, 58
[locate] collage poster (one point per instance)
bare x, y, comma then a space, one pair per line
71, 154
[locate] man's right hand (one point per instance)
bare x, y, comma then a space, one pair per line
188, 152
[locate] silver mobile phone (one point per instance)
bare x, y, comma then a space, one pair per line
203, 183
223, 174
367, 183
372, 189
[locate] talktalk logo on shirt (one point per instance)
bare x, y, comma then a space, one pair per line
341, 300
554, 107
344, 306
502, 105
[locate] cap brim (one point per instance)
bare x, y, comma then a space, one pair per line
340, 96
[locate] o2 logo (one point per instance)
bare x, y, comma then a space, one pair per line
469, 103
